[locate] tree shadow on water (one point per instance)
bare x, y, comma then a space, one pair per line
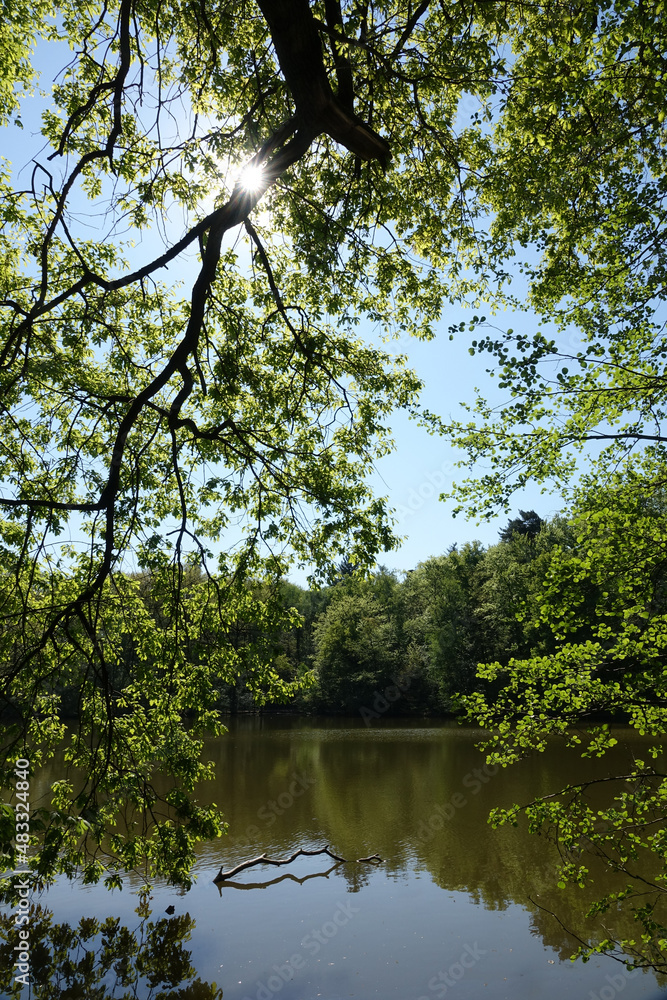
103, 959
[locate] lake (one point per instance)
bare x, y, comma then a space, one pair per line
455, 909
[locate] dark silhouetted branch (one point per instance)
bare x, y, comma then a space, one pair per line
264, 860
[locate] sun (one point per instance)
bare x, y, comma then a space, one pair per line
252, 178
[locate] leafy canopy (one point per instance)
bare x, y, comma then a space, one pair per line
576, 190
584, 221
182, 371
603, 605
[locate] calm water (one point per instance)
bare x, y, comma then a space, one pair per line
456, 909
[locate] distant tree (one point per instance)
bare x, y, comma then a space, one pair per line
442, 601
345, 568
356, 649
513, 575
528, 523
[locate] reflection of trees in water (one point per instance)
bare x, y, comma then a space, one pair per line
420, 797
567, 928
105, 960
514, 867
355, 876
429, 807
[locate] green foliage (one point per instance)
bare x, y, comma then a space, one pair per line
604, 603
434, 627
154, 424
515, 573
165, 653
528, 523
406, 153
443, 617
575, 191
356, 644
576, 188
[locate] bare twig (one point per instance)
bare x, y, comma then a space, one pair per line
264, 860
285, 877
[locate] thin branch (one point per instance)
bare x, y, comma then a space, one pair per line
264, 860
409, 28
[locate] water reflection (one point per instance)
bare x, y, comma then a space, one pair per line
104, 959
419, 796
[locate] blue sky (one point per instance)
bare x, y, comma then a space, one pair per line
421, 465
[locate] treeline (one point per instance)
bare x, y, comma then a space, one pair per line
410, 645
375, 645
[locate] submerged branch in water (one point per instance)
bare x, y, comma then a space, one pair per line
264, 860
287, 876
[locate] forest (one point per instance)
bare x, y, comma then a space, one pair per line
411, 643
417, 643
423, 635
215, 221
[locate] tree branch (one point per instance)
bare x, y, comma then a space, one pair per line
299, 50
264, 860
343, 67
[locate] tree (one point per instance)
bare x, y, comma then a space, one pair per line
514, 574
159, 421
527, 523
356, 644
243, 410
589, 232
585, 222
443, 618
604, 604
